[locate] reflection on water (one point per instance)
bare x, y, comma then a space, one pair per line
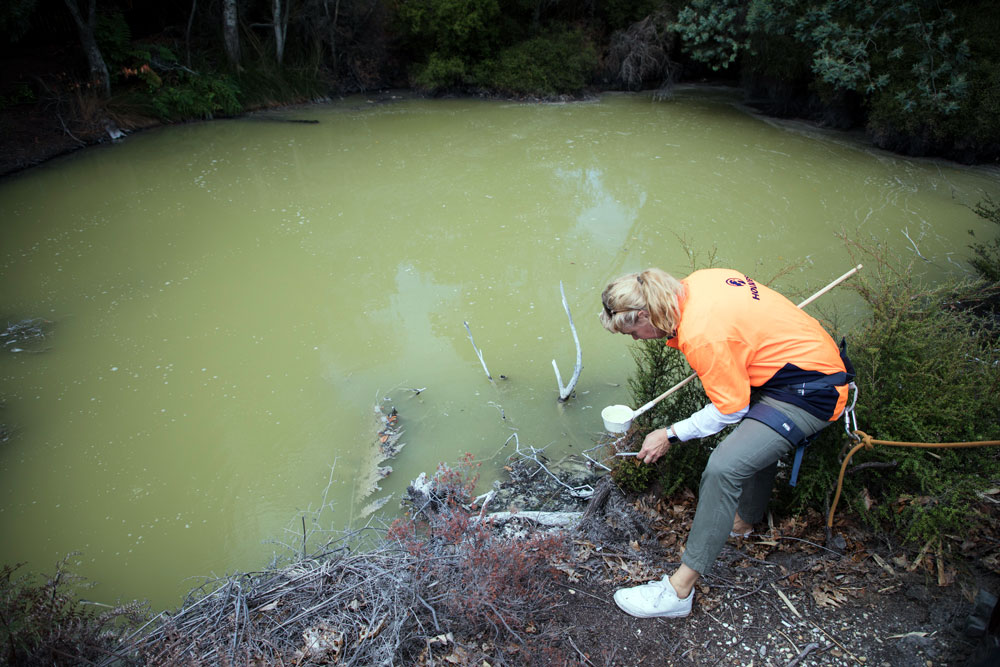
232, 298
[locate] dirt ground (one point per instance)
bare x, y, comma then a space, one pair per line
29, 136
33, 131
57, 117
769, 601
779, 597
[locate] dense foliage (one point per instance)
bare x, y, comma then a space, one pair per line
922, 75
924, 71
986, 254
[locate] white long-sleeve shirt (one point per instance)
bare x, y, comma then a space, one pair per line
707, 421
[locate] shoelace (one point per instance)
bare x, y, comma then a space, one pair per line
663, 585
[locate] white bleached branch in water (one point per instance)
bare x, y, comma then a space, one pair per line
564, 392
478, 352
915, 248
486, 498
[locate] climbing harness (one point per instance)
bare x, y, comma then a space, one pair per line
784, 426
781, 423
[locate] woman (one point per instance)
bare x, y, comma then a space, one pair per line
736, 335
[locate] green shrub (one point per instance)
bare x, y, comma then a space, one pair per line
986, 261
462, 28
153, 82
196, 96
619, 14
441, 73
926, 72
114, 38
560, 61
659, 368
43, 623
16, 19
927, 371
19, 93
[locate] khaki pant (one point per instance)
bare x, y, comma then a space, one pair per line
739, 476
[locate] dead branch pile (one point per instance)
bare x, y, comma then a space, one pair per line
344, 608
524, 464
439, 585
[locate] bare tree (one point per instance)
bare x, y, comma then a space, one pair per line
332, 23
85, 26
187, 33
642, 53
230, 31
279, 13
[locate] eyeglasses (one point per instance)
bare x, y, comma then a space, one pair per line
612, 313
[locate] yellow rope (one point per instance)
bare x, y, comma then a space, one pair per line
867, 442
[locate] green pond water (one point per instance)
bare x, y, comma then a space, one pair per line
229, 300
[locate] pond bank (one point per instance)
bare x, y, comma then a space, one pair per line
771, 599
33, 134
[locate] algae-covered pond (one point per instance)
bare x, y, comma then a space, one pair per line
229, 300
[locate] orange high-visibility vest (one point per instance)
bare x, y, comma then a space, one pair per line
737, 334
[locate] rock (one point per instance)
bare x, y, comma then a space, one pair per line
918, 593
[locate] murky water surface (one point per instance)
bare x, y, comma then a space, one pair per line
230, 299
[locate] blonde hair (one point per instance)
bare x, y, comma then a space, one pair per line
653, 290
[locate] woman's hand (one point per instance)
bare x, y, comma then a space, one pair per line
654, 446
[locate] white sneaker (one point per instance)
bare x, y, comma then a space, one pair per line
655, 599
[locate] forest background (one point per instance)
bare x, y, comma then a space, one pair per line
920, 76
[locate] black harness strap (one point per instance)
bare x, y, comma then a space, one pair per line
783, 425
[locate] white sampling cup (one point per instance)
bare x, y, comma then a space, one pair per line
617, 418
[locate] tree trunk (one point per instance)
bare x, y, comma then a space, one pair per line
280, 19
187, 34
332, 22
230, 32
595, 506
98, 68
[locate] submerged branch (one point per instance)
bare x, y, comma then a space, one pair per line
18, 336
565, 392
478, 352
915, 248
